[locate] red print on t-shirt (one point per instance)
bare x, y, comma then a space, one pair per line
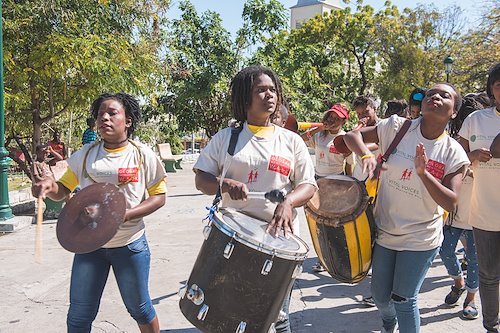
333, 150
127, 175
279, 164
252, 176
436, 169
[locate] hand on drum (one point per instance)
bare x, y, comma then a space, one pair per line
282, 219
235, 189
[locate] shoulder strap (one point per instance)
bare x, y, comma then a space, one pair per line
235, 132
397, 139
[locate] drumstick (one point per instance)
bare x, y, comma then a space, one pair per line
38, 233
275, 196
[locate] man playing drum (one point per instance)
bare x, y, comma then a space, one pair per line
266, 157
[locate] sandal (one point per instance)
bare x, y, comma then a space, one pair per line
470, 311
454, 295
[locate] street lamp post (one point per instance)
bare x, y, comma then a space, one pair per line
448, 63
5, 210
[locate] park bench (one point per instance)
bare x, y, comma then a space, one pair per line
171, 162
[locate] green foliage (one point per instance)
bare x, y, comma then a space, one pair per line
201, 60
61, 54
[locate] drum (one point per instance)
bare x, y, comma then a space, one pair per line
242, 275
342, 227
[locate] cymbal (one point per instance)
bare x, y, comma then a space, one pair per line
91, 218
495, 147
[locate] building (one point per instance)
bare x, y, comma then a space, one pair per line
307, 9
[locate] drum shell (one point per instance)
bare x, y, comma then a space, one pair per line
345, 250
235, 289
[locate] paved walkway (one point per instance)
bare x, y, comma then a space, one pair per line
34, 296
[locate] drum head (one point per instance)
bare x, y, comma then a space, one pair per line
252, 232
339, 196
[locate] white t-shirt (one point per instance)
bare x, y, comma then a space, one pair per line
280, 161
405, 213
461, 218
115, 167
328, 159
480, 128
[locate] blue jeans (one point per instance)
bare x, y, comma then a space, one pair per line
396, 280
90, 271
450, 260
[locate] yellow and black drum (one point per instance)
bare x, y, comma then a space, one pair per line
342, 227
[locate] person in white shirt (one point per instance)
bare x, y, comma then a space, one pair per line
476, 136
141, 178
266, 157
329, 161
457, 227
423, 174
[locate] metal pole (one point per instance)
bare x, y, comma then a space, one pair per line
5, 210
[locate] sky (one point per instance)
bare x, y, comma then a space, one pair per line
230, 10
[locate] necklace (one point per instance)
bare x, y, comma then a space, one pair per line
101, 143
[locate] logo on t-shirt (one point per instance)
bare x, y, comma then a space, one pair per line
279, 164
472, 138
252, 176
126, 175
406, 174
436, 169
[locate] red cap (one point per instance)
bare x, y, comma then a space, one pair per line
340, 110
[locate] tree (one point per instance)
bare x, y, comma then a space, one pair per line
331, 58
60, 54
478, 51
201, 59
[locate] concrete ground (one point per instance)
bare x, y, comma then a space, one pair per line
34, 295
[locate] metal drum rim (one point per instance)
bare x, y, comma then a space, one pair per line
218, 221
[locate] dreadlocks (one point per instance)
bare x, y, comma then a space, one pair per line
130, 104
241, 90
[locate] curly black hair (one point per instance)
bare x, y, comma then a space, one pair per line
366, 100
241, 89
130, 104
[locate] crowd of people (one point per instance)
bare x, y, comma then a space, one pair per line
436, 188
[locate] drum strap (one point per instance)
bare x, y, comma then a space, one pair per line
235, 132
397, 139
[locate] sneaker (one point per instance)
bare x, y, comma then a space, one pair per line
368, 301
318, 268
454, 295
470, 311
